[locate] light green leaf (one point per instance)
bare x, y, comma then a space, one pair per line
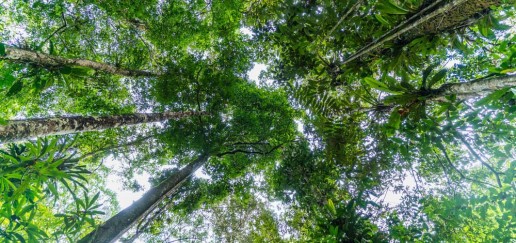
382, 20
331, 207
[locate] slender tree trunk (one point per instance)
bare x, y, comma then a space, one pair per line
435, 18
474, 88
117, 225
50, 61
17, 130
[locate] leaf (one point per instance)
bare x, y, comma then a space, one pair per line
382, 20
331, 207
51, 50
394, 120
427, 72
373, 83
437, 77
19, 237
388, 7
399, 99
65, 70
15, 89
493, 96
3, 122
2, 49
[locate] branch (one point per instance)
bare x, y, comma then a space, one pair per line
140, 228
472, 151
250, 152
56, 31
105, 149
56, 62
475, 87
342, 18
458, 171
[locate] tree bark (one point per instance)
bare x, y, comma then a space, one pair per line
117, 225
50, 61
432, 19
474, 88
17, 130
463, 15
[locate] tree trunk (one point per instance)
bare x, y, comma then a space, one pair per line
474, 88
17, 130
432, 19
463, 15
117, 225
50, 61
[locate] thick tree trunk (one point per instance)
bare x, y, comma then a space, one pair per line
475, 88
437, 17
463, 15
117, 225
17, 130
50, 61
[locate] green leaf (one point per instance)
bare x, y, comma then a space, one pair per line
388, 7
491, 97
15, 89
373, 83
2, 49
437, 77
65, 70
331, 207
427, 72
382, 20
394, 120
51, 50
19, 237
3, 122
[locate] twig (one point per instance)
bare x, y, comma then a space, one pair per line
250, 152
472, 151
458, 171
65, 24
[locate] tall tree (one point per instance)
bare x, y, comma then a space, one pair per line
117, 225
411, 98
65, 65
17, 130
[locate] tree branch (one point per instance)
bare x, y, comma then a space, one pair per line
472, 151
458, 171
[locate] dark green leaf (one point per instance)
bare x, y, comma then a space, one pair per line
436, 78
2, 49
65, 70
15, 89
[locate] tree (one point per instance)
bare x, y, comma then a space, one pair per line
117, 225
17, 130
414, 98
66, 65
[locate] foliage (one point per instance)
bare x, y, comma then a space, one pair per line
366, 82
34, 174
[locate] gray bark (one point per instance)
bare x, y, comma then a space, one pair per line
474, 88
17, 130
117, 225
50, 61
434, 18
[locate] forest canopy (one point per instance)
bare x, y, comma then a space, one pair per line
373, 121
